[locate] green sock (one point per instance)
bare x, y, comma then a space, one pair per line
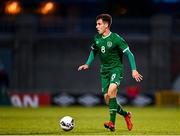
113, 109
121, 111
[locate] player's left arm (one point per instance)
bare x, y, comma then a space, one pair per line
123, 46
135, 74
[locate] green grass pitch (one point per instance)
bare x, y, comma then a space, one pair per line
89, 121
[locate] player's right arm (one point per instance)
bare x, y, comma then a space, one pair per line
89, 60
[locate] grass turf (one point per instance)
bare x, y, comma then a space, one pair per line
89, 121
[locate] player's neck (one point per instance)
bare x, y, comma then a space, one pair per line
106, 33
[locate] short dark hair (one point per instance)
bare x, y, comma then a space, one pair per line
106, 18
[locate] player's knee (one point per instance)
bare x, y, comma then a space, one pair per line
106, 98
107, 102
112, 94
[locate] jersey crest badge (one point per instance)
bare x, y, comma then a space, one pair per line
109, 44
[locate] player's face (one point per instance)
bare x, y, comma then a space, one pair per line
101, 26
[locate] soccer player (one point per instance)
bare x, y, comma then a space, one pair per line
110, 47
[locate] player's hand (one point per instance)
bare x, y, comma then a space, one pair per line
83, 67
138, 77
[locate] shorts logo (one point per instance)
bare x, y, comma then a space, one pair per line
109, 44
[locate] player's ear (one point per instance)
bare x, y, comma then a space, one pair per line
106, 24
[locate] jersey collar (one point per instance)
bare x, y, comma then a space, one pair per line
106, 35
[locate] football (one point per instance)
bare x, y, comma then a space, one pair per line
67, 123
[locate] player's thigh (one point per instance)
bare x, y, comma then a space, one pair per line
106, 98
112, 90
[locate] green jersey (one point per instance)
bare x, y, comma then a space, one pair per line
110, 50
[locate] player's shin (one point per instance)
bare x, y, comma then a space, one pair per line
121, 111
113, 109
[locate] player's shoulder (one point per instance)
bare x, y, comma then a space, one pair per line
97, 36
117, 36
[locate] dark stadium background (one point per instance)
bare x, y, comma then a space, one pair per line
40, 53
